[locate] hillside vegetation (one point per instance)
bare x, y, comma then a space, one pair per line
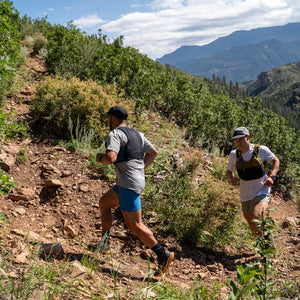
189, 119
78, 63
280, 90
207, 118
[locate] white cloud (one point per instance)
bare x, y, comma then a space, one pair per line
51, 9
174, 23
162, 4
88, 21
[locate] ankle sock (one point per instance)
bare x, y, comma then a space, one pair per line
159, 250
105, 234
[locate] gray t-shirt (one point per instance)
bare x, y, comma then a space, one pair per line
129, 174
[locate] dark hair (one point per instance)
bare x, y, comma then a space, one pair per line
119, 112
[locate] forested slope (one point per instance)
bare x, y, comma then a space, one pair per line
279, 89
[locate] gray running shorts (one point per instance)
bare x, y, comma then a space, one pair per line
248, 206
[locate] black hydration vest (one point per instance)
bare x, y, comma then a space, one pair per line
252, 169
134, 147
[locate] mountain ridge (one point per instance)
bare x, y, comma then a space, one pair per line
193, 59
243, 63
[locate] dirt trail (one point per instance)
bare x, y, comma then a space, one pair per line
57, 199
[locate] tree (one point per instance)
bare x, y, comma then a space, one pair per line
9, 45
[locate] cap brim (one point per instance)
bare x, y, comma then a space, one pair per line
238, 136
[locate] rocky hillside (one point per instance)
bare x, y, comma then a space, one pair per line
56, 201
280, 90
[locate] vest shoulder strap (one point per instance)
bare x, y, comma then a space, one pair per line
255, 153
256, 150
238, 154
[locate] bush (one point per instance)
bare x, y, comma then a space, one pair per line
5, 184
9, 127
22, 156
40, 42
43, 52
194, 210
9, 46
28, 40
57, 100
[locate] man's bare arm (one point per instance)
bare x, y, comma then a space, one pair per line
107, 158
149, 157
275, 167
233, 180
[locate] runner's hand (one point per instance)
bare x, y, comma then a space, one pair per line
99, 156
269, 182
234, 180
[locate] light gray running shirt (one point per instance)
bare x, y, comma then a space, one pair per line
129, 174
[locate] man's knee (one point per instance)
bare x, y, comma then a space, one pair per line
133, 226
103, 200
249, 217
108, 200
260, 210
136, 226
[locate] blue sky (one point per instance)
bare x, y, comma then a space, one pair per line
158, 27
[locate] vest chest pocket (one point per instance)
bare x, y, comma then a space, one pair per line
252, 169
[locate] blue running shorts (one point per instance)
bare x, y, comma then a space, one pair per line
128, 199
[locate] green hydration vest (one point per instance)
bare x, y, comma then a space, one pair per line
252, 169
134, 147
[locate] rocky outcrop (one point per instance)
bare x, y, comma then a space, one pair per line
264, 79
8, 155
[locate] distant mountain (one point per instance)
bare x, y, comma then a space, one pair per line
243, 63
240, 56
280, 90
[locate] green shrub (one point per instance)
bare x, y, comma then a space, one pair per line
22, 156
40, 42
43, 52
29, 40
5, 184
9, 46
254, 280
202, 211
9, 127
58, 100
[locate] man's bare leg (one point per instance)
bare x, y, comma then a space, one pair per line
108, 201
136, 225
259, 208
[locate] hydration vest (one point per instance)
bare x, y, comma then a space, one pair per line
252, 169
134, 147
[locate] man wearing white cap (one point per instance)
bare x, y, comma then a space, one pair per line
255, 184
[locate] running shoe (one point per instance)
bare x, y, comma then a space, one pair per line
164, 263
103, 246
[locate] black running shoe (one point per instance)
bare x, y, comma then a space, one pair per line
103, 246
164, 263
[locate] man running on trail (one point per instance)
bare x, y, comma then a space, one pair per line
255, 184
131, 153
